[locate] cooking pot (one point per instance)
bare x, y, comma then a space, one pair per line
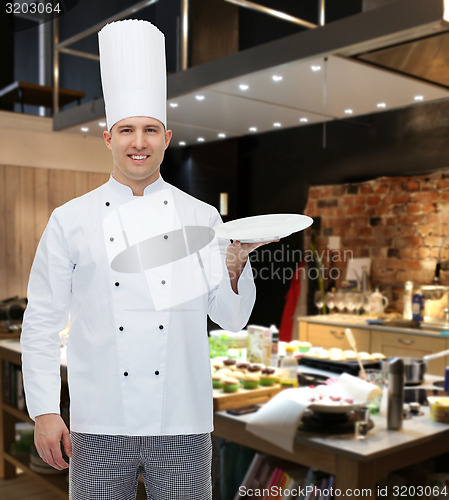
414, 368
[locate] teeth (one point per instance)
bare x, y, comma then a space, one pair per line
138, 157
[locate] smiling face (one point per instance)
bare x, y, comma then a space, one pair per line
137, 145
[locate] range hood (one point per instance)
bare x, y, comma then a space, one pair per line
327, 73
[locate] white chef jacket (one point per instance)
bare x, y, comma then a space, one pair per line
137, 356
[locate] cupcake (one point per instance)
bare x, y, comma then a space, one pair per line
230, 384
238, 375
377, 355
268, 377
323, 354
216, 380
365, 355
242, 366
225, 372
230, 363
216, 364
336, 354
304, 346
255, 368
250, 381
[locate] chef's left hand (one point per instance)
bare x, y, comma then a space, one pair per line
236, 257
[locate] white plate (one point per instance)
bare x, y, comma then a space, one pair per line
262, 227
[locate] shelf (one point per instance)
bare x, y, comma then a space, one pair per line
19, 414
57, 483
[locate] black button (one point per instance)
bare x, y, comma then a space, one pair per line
156, 372
161, 327
121, 328
165, 202
117, 283
163, 282
126, 374
111, 239
107, 203
165, 236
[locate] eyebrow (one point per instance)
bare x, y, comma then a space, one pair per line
148, 125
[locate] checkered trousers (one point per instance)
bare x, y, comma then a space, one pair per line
173, 467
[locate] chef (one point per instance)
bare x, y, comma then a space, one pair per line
136, 265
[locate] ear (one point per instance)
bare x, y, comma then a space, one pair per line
107, 136
168, 135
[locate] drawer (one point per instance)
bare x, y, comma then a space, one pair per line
416, 346
329, 336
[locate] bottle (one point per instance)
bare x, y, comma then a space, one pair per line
365, 287
395, 394
274, 346
407, 300
289, 368
417, 306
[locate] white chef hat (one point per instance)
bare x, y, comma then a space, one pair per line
133, 71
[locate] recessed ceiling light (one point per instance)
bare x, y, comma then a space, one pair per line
221, 135
174, 104
315, 67
199, 97
200, 139
348, 111
277, 124
381, 105
253, 129
243, 86
419, 98
277, 78
102, 124
84, 129
303, 120
182, 143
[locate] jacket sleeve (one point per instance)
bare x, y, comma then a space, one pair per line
230, 310
49, 292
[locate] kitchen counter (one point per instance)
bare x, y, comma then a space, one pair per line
328, 331
355, 464
352, 320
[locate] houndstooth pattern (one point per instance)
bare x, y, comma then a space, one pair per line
106, 467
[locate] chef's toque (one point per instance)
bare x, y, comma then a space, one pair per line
133, 71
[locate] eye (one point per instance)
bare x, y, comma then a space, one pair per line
151, 130
125, 130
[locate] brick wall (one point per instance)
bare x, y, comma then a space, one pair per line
399, 222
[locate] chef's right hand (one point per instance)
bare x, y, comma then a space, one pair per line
49, 431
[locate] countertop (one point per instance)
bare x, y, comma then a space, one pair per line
354, 321
380, 441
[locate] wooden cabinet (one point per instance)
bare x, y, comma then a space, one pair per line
416, 346
56, 484
378, 339
329, 336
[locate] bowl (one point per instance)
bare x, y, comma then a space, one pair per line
439, 408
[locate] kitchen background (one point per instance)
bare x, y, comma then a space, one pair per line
378, 181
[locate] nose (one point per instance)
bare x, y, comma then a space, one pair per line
139, 140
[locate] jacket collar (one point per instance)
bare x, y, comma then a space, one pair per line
124, 190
